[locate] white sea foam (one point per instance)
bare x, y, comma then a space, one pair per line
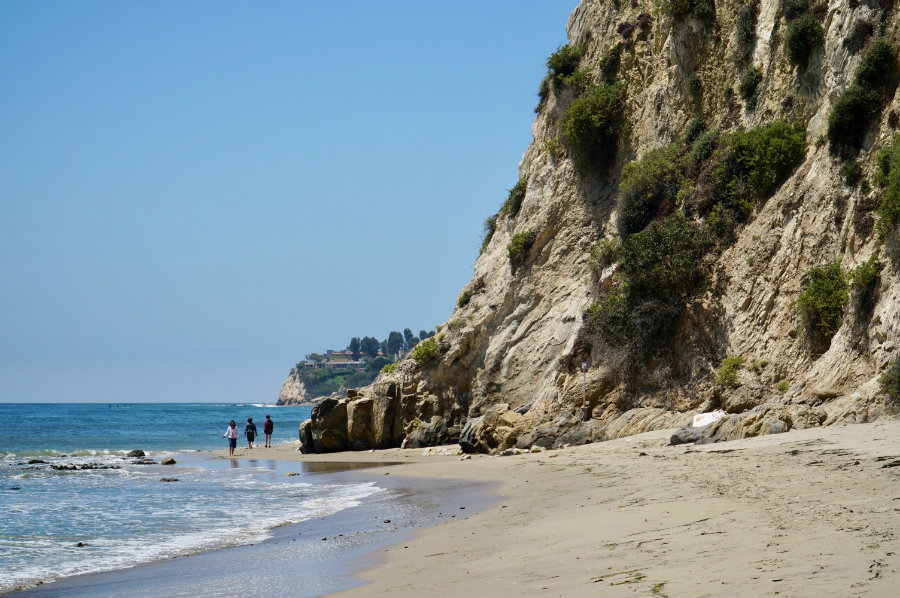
157, 530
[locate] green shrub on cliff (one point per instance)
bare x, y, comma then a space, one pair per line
745, 32
426, 352
890, 382
389, 367
490, 227
748, 88
464, 298
518, 247
822, 303
864, 282
728, 373
748, 166
591, 126
659, 268
704, 10
857, 107
803, 35
646, 185
516, 196
563, 63
888, 177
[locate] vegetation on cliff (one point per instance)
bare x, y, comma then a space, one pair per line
676, 204
860, 103
822, 303
592, 123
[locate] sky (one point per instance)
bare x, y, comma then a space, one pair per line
196, 195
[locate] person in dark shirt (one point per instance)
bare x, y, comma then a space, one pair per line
268, 426
250, 432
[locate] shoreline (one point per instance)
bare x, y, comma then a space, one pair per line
812, 512
308, 558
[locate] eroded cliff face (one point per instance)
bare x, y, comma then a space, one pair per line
293, 391
506, 377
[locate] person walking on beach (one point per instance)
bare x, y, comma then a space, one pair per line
232, 435
268, 426
250, 432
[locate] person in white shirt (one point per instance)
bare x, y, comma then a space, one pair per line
232, 435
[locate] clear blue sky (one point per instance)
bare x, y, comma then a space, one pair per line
197, 194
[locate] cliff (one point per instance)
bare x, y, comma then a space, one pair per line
293, 391
504, 370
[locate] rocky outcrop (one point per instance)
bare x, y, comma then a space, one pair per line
293, 391
505, 377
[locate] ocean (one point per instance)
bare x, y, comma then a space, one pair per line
72, 502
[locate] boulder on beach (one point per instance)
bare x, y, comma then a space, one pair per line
136, 453
168, 461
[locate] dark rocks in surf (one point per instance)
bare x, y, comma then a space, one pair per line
136, 453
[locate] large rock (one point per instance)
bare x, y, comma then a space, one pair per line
686, 435
307, 445
360, 424
329, 426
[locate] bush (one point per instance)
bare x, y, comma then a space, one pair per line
454, 325
519, 246
563, 63
748, 166
490, 227
854, 111
658, 269
888, 210
748, 88
514, 201
745, 32
864, 282
663, 260
543, 94
602, 254
822, 302
766, 155
783, 386
851, 116
426, 352
591, 126
876, 64
794, 9
389, 368
728, 373
694, 128
609, 64
609, 316
890, 382
645, 186
859, 36
803, 35
464, 298
851, 172
704, 10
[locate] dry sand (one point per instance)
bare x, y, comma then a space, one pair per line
811, 512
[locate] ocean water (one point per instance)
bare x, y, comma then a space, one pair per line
109, 512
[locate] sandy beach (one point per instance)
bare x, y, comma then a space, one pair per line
812, 512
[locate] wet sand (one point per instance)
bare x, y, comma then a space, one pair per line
306, 559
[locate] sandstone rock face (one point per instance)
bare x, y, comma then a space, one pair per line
293, 391
505, 377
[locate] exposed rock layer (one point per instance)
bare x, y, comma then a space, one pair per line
503, 381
